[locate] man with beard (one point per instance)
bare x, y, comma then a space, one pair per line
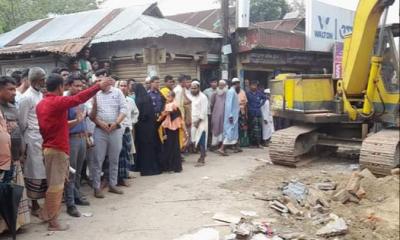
199, 121
209, 92
217, 105
231, 118
34, 169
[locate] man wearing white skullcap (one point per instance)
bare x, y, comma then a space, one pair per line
268, 122
217, 104
199, 129
231, 118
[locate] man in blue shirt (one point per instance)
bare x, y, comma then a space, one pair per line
256, 100
77, 141
155, 95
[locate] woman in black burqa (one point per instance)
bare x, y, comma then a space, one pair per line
147, 142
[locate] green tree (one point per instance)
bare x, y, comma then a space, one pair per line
16, 12
266, 10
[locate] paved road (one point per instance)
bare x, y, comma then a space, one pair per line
161, 207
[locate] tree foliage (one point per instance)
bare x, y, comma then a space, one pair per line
16, 12
266, 10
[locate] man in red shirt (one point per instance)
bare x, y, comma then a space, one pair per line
52, 117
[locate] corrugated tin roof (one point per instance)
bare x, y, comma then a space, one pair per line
207, 19
9, 36
66, 27
148, 27
102, 25
69, 47
286, 25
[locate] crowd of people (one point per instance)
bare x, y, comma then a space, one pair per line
83, 124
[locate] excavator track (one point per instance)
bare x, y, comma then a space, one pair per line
288, 145
380, 152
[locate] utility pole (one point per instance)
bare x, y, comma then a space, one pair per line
226, 39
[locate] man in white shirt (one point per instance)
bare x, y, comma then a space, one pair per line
268, 122
125, 157
209, 92
199, 130
109, 111
34, 170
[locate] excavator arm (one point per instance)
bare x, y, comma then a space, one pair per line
361, 70
361, 44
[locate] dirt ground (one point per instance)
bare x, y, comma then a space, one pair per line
166, 206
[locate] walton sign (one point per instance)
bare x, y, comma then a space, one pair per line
325, 25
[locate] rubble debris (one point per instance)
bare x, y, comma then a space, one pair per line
264, 197
293, 210
296, 190
361, 193
244, 229
263, 160
203, 234
395, 171
320, 209
326, 186
260, 236
354, 199
260, 221
354, 182
337, 226
278, 206
342, 196
291, 207
321, 219
223, 217
249, 213
294, 235
316, 197
366, 173
354, 190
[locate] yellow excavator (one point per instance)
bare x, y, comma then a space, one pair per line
359, 110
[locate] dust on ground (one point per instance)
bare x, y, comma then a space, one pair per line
167, 206
375, 217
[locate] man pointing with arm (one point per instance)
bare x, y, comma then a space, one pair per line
52, 117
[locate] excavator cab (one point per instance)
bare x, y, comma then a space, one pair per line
386, 100
390, 64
